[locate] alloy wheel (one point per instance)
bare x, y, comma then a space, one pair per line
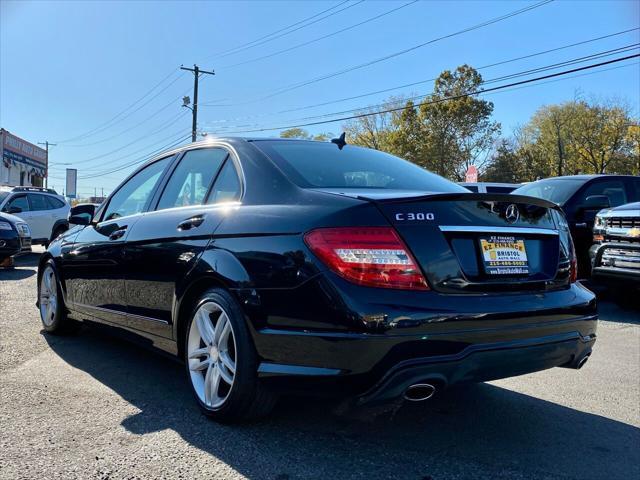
48, 296
211, 354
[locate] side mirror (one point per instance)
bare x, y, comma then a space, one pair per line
596, 202
82, 219
13, 210
82, 214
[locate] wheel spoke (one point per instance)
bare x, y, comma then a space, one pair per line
226, 376
207, 384
199, 365
227, 362
205, 327
200, 352
222, 326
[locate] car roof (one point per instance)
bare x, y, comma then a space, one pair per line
586, 177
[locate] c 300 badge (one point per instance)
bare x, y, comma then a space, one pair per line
413, 216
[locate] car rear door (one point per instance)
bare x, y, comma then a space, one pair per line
165, 243
42, 216
94, 269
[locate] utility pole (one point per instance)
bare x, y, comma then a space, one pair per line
46, 147
194, 110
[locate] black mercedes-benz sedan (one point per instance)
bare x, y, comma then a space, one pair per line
275, 266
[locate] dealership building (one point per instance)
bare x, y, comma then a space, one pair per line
22, 163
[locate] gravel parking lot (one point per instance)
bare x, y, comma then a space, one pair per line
90, 406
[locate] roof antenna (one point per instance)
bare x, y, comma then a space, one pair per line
340, 141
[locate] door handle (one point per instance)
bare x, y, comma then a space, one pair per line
190, 223
118, 233
581, 225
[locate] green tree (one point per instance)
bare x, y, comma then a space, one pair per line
506, 165
300, 133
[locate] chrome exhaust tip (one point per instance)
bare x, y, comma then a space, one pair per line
419, 392
582, 361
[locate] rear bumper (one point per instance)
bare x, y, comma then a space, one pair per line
481, 363
447, 338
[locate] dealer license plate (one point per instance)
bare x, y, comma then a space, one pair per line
503, 255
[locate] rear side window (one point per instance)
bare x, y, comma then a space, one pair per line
612, 189
38, 202
190, 181
54, 203
227, 186
324, 165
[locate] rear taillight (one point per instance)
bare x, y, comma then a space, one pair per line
573, 268
371, 256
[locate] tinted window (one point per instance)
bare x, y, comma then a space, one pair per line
19, 201
317, 164
54, 202
38, 202
554, 190
491, 189
473, 188
613, 189
227, 186
3, 195
635, 188
132, 197
190, 181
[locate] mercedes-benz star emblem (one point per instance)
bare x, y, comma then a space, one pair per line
512, 214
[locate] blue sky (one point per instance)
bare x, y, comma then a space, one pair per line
66, 68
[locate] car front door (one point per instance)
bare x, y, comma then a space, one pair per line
582, 228
166, 243
94, 269
18, 205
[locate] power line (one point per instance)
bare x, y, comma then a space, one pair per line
265, 39
99, 127
140, 159
485, 82
483, 67
97, 157
371, 19
420, 82
486, 23
480, 92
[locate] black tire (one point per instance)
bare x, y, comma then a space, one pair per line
247, 399
60, 323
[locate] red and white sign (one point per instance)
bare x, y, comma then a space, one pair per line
472, 174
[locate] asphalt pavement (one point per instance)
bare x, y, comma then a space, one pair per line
91, 406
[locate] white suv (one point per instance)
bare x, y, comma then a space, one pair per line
43, 209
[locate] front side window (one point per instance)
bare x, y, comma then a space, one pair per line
132, 197
19, 201
190, 181
38, 202
612, 189
227, 186
324, 165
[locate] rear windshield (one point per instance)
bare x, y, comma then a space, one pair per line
555, 190
324, 165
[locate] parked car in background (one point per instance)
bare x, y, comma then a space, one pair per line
15, 238
273, 265
490, 187
581, 198
42, 208
615, 254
